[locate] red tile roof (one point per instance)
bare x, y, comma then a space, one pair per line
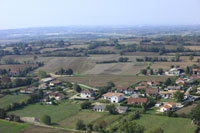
137, 100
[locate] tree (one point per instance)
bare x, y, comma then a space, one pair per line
195, 114
69, 71
80, 125
46, 119
151, 71
2, 114
168, 82
61, 71
131, 127
86, 105
177, 57
42, 74
157, 130
61, 43
179, 96
112, 109
110, 84
191, 57
77, 88
144, 71
160, 71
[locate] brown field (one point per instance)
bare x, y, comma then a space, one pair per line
78, 46
16, 67
20, 58
142, 54
183, 64
193, 47
119, 80
50, 49
87, 65
38, 129
187, 109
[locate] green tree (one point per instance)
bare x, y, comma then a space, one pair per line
131, 127
2, 114
160, 71
195, 114
77, 88
191, 57
151, 71
179, 96
42, 74
144, 71
80, 125
69, 71
177, 57
112, 109
46, 119
110, 84
168, 82
86, 105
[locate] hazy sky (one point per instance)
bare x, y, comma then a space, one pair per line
40, 13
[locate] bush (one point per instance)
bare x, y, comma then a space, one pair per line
80, 125
46, 119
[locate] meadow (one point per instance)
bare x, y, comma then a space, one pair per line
9, 99
12, 127
56, 112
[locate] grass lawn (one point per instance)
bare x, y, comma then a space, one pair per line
11, 127
8, 99
167, 100
56, 112
168, 124
86, 116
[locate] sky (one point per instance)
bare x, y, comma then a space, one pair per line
45, 13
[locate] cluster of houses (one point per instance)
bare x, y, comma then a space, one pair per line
48, 85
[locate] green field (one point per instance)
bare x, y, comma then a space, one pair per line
8, 99
168, 124
11, 127
56, 112
86, 116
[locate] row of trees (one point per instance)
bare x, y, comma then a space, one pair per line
64, 72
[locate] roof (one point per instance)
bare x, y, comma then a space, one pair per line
152, 91
137, 100
169, 92
196, 70
174, 87
87, 91
99, 107
47, 79
55, 82
143, 83
172, 103
166, 106
113, 94
140, 87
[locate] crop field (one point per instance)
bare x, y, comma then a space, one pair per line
187, 109
38, 129
119, 80
12, 127
168, 124
86, 116
193, 47
9, 99
16, 67
58, 112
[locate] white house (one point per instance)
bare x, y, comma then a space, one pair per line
114, 97
87, 94
167, 107
174, 72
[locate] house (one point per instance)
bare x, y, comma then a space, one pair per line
99, 108
152, 91
114, 97
196, 71
126, 91
153, 83
167, 107
55, 82
168, 94
27, 90
87, 94
122, 109
137, 100
158, 104
56, 95
174, 72
46, 80
174, 88
14, 73
180, 81
140, 88
194, 77
143, 83
43, 86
